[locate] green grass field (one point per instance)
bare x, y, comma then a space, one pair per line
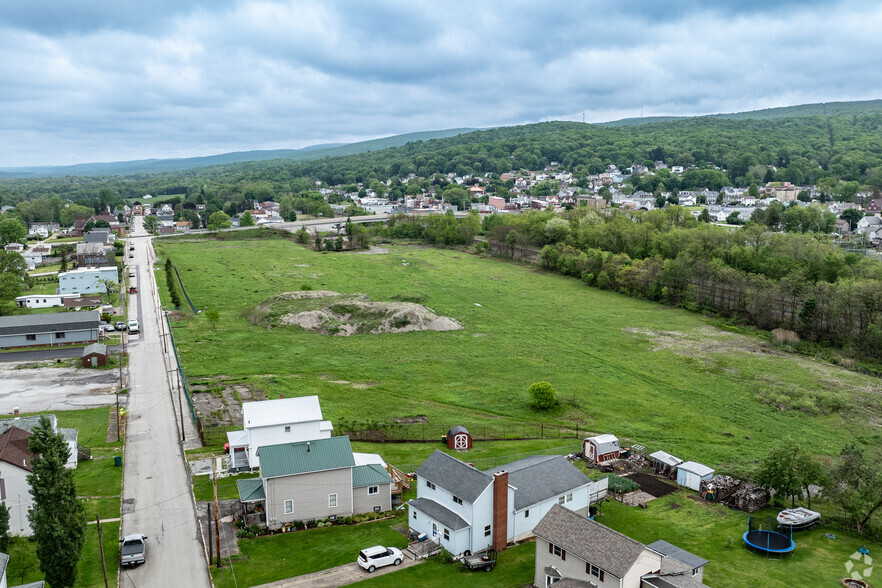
651, 374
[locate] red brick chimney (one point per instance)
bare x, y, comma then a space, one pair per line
500, 510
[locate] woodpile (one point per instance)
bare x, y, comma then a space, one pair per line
749, 498
721, 487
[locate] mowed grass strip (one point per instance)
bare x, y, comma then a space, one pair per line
599, 349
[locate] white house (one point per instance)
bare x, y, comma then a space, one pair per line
272, 422
467, 510
87, 280
40, 300
691, 474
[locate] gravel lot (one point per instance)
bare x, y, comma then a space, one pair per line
55, 388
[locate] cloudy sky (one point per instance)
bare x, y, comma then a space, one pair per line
109, 80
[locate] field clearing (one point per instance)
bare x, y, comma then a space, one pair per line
663, 377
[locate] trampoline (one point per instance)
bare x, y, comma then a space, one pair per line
764, 539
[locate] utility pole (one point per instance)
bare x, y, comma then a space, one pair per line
181, 406
101, 546
210, 550
216, 509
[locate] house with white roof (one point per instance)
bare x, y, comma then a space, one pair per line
467, 510
271, 422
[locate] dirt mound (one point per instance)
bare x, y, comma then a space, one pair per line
331, 313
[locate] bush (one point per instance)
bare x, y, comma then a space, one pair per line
784, 337
445, 556
542, 395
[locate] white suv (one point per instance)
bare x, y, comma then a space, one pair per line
379, 556
133, 326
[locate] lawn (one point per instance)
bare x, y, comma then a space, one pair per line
226, 487
514, 568
266, 559
651, 374
703, 528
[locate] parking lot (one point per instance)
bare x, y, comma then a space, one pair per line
34, 389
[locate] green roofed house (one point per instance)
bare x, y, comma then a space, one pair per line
316, 479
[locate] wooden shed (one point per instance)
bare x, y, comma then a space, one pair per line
459, 438
95, 355
691, 474
664, 464
601, 448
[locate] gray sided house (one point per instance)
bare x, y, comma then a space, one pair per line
575, 551
316, 479
57, 328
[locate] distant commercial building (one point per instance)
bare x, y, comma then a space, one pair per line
87, 280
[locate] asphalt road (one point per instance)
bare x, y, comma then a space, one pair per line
157, 500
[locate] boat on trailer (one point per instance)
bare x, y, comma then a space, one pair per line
797, 519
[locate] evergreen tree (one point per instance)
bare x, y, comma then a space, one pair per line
4, 528
56, 517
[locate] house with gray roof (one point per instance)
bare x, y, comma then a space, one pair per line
467, 510
572, 550
316, 479
56, 328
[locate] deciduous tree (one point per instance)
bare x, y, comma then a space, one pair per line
12, 230
56, 517
542, 395
789, 470
856, 485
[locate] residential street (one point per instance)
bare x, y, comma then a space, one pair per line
156, 497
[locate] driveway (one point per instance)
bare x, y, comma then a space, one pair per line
340, 576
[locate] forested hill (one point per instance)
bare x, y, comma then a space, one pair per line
819, 109
799, 149
188, 163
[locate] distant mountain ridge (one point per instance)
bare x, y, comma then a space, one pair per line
179, 164
815, 109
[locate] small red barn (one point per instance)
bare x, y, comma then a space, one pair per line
459, 438
95, 355
601, 448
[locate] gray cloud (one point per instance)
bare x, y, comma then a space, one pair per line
97, 82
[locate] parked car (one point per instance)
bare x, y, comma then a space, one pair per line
378, 556
107, 308
131, 255
106, 328
120, 325
131, 247
133, 289
133, 326
133, 550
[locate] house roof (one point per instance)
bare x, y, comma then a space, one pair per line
237, 438
666, 458
251, 490
369, 475
541, 477
77, 301
14, 448
696, 468
589, 540
290, 459
439, 513
27, 423
46, 323
602, 439
457, 429
98, 348
454, 476
69, 434
281, 411
666, 549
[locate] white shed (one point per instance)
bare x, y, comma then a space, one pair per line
664, 464
601, 448
691, 474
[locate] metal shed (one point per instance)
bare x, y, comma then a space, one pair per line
664, 464
691, 474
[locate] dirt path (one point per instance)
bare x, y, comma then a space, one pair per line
339, 576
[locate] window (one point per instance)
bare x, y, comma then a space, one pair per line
487, 531
332, 500
414, 515
430, 485
31, 337
527, 514
287, 428
561, 499
549, 580
373, 490
593, 570
457, 500
556, 550
694, 570
289, 507
446, 534
570, 497
59, 335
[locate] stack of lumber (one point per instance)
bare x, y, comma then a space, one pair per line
749, 498
722, 487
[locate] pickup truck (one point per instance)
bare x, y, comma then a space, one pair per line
133, 550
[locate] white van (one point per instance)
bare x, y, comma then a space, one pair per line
133, 326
